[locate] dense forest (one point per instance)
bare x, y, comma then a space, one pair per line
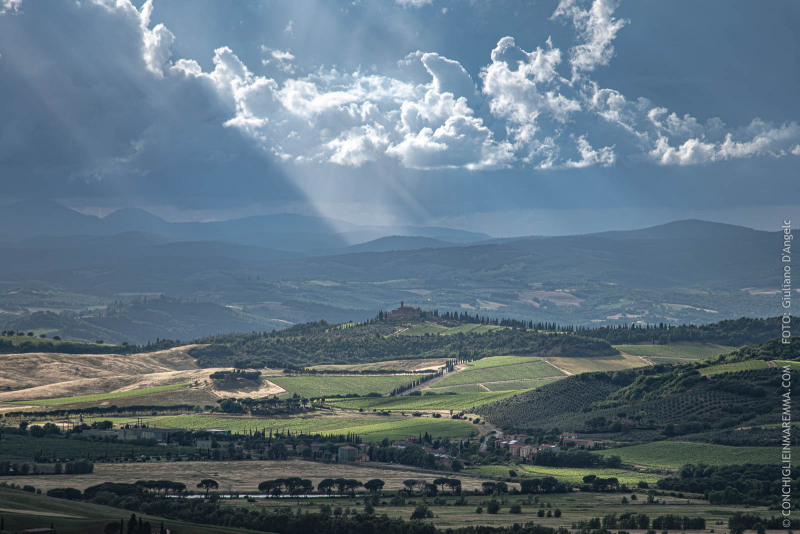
732, 332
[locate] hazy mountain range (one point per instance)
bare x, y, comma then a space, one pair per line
263, 272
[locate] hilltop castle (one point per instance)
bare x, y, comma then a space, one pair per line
405, 312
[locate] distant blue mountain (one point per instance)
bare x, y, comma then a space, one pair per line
284, 231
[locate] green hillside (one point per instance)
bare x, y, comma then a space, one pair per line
501, 368
655, 402
320, 343
678, 352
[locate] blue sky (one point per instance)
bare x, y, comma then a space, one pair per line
508, 117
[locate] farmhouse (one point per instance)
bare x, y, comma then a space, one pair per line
346, 454
405, 312
444, 460
548, 447
128, 434
571, 439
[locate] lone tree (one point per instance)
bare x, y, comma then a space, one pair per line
208, 484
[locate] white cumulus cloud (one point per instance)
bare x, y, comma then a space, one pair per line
597, 28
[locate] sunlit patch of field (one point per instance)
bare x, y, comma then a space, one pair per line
500, 368
389, 365
420, 329
674, 454
458, 402
573, 475
370, 427
689, 351
326, 385
31, 370
54, 379
526, 384
601, 363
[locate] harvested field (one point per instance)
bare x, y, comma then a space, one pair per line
236, 476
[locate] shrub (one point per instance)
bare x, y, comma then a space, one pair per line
421, 512
65, 493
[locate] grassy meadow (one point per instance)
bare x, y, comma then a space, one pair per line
689, 351
572, 475
371, 428
674, 454
458, 402
734, 367
324, 386
617, 362
501, 368
420, 329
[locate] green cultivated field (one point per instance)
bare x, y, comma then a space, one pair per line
500, 368
734, 367
323, 386
675, 454
467, 388
429, 328
459, 402
617, 362
61, 401
689, 351
575, 474
516, 385
371, 428
497, 361
572, 475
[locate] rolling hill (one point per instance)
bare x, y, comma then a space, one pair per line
660, 401
285, 268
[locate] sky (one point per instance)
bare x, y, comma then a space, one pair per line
499, 116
